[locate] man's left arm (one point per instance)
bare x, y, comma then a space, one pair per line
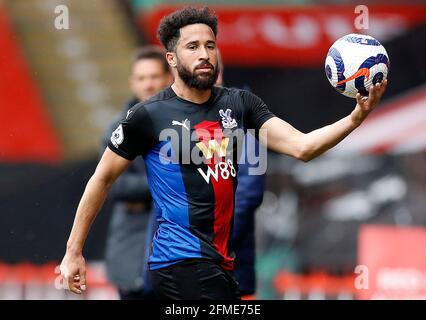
283, 138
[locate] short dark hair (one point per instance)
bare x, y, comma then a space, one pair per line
169, 29
151, 52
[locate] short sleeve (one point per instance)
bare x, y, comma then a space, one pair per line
256, 111
134, 134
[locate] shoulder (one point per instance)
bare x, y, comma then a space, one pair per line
237, 93
154, 101
223, 91
145, 108
158, 100
244, 98
163, 95
234, 96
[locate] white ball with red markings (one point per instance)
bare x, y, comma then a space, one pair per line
354, 62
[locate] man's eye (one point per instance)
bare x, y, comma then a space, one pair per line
211, 46
192, 47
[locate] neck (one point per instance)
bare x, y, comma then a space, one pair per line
190, 94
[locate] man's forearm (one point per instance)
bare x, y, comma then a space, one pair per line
281, 137
319, 141
89, 206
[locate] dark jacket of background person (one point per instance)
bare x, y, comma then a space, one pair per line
125, 246
248, 198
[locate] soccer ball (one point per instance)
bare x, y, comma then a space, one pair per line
354, 62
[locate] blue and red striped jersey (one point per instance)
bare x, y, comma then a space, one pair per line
191, 154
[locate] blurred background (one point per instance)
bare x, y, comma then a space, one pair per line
363, 203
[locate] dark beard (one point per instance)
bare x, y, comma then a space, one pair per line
197, 81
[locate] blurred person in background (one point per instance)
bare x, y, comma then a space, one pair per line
125, 248
191, 255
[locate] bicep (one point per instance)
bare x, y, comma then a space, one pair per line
279, 136
111, 166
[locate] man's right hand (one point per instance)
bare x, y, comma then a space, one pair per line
73, 272
73, 266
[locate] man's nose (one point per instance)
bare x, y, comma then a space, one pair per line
148, 84
204, 54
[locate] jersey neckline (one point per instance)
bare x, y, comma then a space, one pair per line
207, 103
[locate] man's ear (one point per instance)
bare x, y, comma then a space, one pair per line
171, 59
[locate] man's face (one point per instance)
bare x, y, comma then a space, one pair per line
148, 78
196, 56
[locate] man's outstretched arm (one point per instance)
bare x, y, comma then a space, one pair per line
73, 268
283, 138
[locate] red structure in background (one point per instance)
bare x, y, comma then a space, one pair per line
27, 134
314, 286
395, 259
295, 36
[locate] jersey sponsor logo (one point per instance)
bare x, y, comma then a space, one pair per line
227, 121
225, 170
213, 147
117, 136
184, 124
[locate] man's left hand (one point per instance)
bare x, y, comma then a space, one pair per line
367, 104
